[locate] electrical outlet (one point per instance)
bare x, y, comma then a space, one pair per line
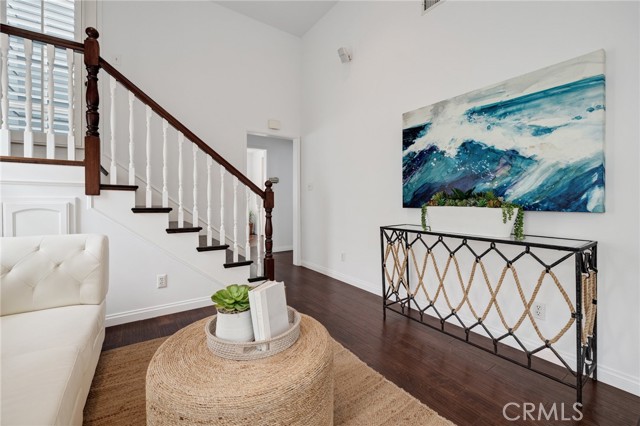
343, 257
539, 311
161, 281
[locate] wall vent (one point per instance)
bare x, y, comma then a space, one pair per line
429, 4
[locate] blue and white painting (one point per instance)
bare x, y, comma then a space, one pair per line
536, 140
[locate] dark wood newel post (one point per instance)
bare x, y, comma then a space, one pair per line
269, 264
92, 138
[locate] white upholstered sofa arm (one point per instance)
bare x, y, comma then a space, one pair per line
52, 271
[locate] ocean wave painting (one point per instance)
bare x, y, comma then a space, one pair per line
536, 140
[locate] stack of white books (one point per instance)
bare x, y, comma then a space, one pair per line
269, 315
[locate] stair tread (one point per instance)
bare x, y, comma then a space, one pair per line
187, 227
236, 264
204, 246
112, 187
241, 260
152, 209
256, 279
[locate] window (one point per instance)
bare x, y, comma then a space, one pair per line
51, 17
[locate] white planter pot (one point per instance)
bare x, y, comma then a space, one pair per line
482, 221
235, 327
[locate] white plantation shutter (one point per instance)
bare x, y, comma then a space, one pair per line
51, 17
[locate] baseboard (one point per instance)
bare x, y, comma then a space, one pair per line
282, 248
618, 379
608, 375
356, 282
156, 311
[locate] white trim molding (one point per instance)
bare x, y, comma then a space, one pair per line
38, 216
348, 279
156, 311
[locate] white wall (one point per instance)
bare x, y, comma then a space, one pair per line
219, 72
255, 161
352, 118
280, 165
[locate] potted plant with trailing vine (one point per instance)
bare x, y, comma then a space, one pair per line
234, 317
469, 212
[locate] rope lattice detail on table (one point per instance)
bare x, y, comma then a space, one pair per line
429, 258
589, 304
397, 277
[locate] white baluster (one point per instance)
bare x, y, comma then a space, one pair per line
5, 134
71, 138
113, 169
247, 246
51, 138
148, 149
28, 106
196, 217
222, 233
180, 177
209, 218
132, 167
165, 190
235, 219
258, 231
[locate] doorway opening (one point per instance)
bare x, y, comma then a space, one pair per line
277, 159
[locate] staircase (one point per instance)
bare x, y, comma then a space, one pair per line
216, 242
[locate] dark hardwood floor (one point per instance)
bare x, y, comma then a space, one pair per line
462, 383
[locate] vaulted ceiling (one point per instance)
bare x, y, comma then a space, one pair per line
294, 17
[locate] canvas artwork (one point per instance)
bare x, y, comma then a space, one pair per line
536, 140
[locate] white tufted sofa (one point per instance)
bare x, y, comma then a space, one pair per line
52, 311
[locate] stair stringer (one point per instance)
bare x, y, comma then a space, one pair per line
116, 206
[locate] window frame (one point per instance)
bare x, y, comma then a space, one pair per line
81, 7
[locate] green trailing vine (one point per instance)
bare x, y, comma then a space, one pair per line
459, 198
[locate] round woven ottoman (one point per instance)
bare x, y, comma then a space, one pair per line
187, 384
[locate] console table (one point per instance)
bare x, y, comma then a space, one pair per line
443, 280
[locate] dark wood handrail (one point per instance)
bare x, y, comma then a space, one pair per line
147, 100
43, 38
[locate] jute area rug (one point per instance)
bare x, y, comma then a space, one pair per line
362, 396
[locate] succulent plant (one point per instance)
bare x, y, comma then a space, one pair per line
232, 299
461, 198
